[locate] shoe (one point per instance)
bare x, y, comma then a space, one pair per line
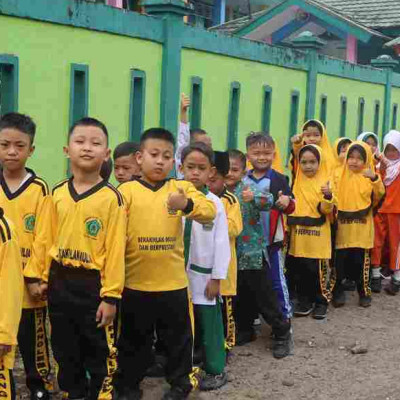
257, 322
156, 370
339, 299
348, 285
376, 285
303, 309
130, 394
245, 337
393, 287
213, 382
283, 345
365, 301
40, 394
320, 311
175, 393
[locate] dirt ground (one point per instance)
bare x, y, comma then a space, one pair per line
322, 367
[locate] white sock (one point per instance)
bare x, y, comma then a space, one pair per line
376, 272
396, 276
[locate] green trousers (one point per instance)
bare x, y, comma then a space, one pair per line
209, 329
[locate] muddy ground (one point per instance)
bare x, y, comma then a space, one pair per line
323, 366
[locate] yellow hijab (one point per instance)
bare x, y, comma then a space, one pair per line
307, 191
354, 189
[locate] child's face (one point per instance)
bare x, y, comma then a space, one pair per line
236, 172
197, 169
156, 160
15, 148
125, 167
371, 142
355, 162
87, 148
343, 151
216, 183
202, 138
391, 153
311, 135
309, 164
261, 156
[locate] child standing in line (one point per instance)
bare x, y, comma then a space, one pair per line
235, 227
156, 285
387, 220
372, 140
358, 191
11, 295
207, 257
125, 166
26, 201
339, 153
310, 234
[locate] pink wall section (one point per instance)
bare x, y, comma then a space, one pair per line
114, 3
351, 49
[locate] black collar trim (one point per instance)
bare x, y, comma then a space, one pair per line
21, 189
155, 188
77, 197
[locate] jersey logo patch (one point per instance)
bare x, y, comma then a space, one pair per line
29, 222
93, 227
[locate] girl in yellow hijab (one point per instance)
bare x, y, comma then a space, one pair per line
358, 190
310, 233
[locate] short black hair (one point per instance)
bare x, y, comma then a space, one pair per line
106, 169
342, 142
221, 162
197, 131
238, 155
200, 147
262, 138
88, 121
20, 122
157, 133
360, 149
314, 124
311, 149
125, 149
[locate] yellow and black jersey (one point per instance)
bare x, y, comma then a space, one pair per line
235, 227
29, 209
154, 253
90, 232
11, 287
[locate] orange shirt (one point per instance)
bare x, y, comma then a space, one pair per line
391, 204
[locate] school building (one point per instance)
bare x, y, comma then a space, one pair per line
61, 60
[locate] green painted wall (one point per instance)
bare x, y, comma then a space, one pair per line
334, 88
218, 72
45, 53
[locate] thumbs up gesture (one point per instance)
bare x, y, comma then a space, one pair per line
368, 173
185, 102
283, 201
177, 200
247, 194
326, 190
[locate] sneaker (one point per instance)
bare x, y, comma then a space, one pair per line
40, 394
175, 393
244, 337
257, 322
376, 285
339, 299
303, 309
213, 382
365, 301
393, 287
320, 311
283, 345
348, 285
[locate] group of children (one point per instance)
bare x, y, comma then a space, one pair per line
182, 267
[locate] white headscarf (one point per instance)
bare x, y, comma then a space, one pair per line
362, 137
392, 166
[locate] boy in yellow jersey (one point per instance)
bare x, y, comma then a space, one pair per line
26, 201
11, 295
235, 227
86, 275
156, 285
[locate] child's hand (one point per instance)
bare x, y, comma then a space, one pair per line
34, 290
326, 190
4, 349
368, 173
247, 194
43, 291
283, 201
105, 314
296, 139
185, 104
212, 289
177, 201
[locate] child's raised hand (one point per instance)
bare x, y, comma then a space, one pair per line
247, 194
212, 289
368, 173
177, 200
296, 139
4, 349
283, 201
326, 190
185, 102
105, 314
